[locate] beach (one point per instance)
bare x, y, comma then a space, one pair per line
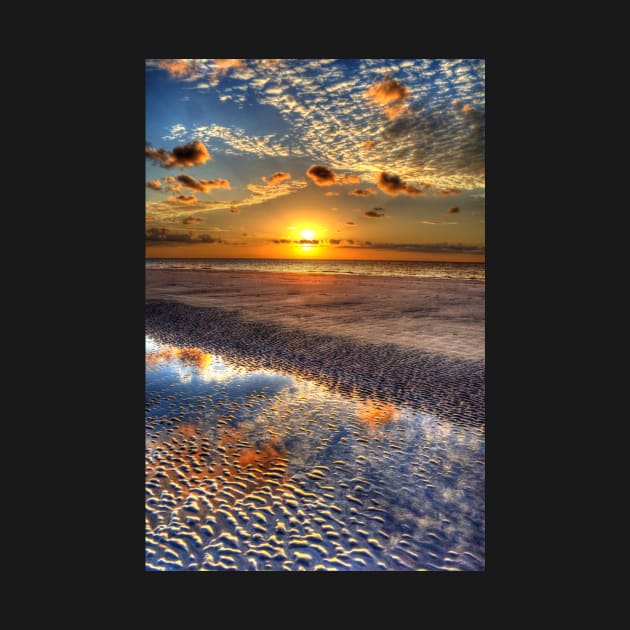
314, 421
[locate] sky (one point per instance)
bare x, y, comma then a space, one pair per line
316, 158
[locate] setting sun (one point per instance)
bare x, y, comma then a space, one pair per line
309, 235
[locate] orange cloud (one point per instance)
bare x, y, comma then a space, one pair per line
179, 68
156, 184
202, 185
191, 219
360, 192
349, 179
388, 92
393, 185
223, 66
276, 178
234, 210
452, 210
331, 194
150, 217
189, 154
321, 175
468, 108
449, 191
368, 144
183, 199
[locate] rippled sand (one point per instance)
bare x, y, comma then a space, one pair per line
271, 447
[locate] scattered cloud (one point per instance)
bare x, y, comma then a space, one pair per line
429, 222
449, 191
375, 213
362, 192
183, 199
156, 236
368, 144
348, 179
394, 185
189, 154
234, 210
321, 175
202, 185
156, 184
179, 68
389, 92
446, 248
276, 178
331, 194
453, 210
191, 219
350, 223
150, 217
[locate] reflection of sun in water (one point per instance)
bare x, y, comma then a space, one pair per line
309, 235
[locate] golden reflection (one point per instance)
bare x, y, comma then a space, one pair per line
210, 367
375, 415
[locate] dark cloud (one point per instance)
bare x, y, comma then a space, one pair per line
393, 185
183, 199
350, 223
276, 178
335, 241
362, 192
164, 235
189, 154
234, 210
445, 248
449, 191
202, 185
191, 219
282, 240
156, 184
321, 175
453, 210
375, 213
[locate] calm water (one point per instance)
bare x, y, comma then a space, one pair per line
466, 271
259, 470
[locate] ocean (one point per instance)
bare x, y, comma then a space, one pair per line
395, 268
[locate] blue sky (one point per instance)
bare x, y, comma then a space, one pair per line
365, 158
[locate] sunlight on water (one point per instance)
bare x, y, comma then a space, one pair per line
258, 470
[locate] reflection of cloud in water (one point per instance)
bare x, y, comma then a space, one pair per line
208, 367
374, 415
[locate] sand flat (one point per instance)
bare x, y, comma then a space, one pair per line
441, 316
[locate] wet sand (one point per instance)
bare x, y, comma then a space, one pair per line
308, 422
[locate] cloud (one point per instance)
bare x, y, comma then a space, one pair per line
449, 191
202, 185
191, 219
446, 248
321, 175
282, 241
359, 192
276, 178
156, 184
179, 68
428, 222
389, 91
222, 66
350, 223
189, 154
157, 236
375, 213
335, 241
150, 217
348, 179
368, 144
183, 199
453, 210
234, 210
331, 194
393, 185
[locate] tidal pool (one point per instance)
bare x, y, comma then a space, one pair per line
259, 470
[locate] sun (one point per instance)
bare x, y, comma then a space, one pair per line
309, 235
